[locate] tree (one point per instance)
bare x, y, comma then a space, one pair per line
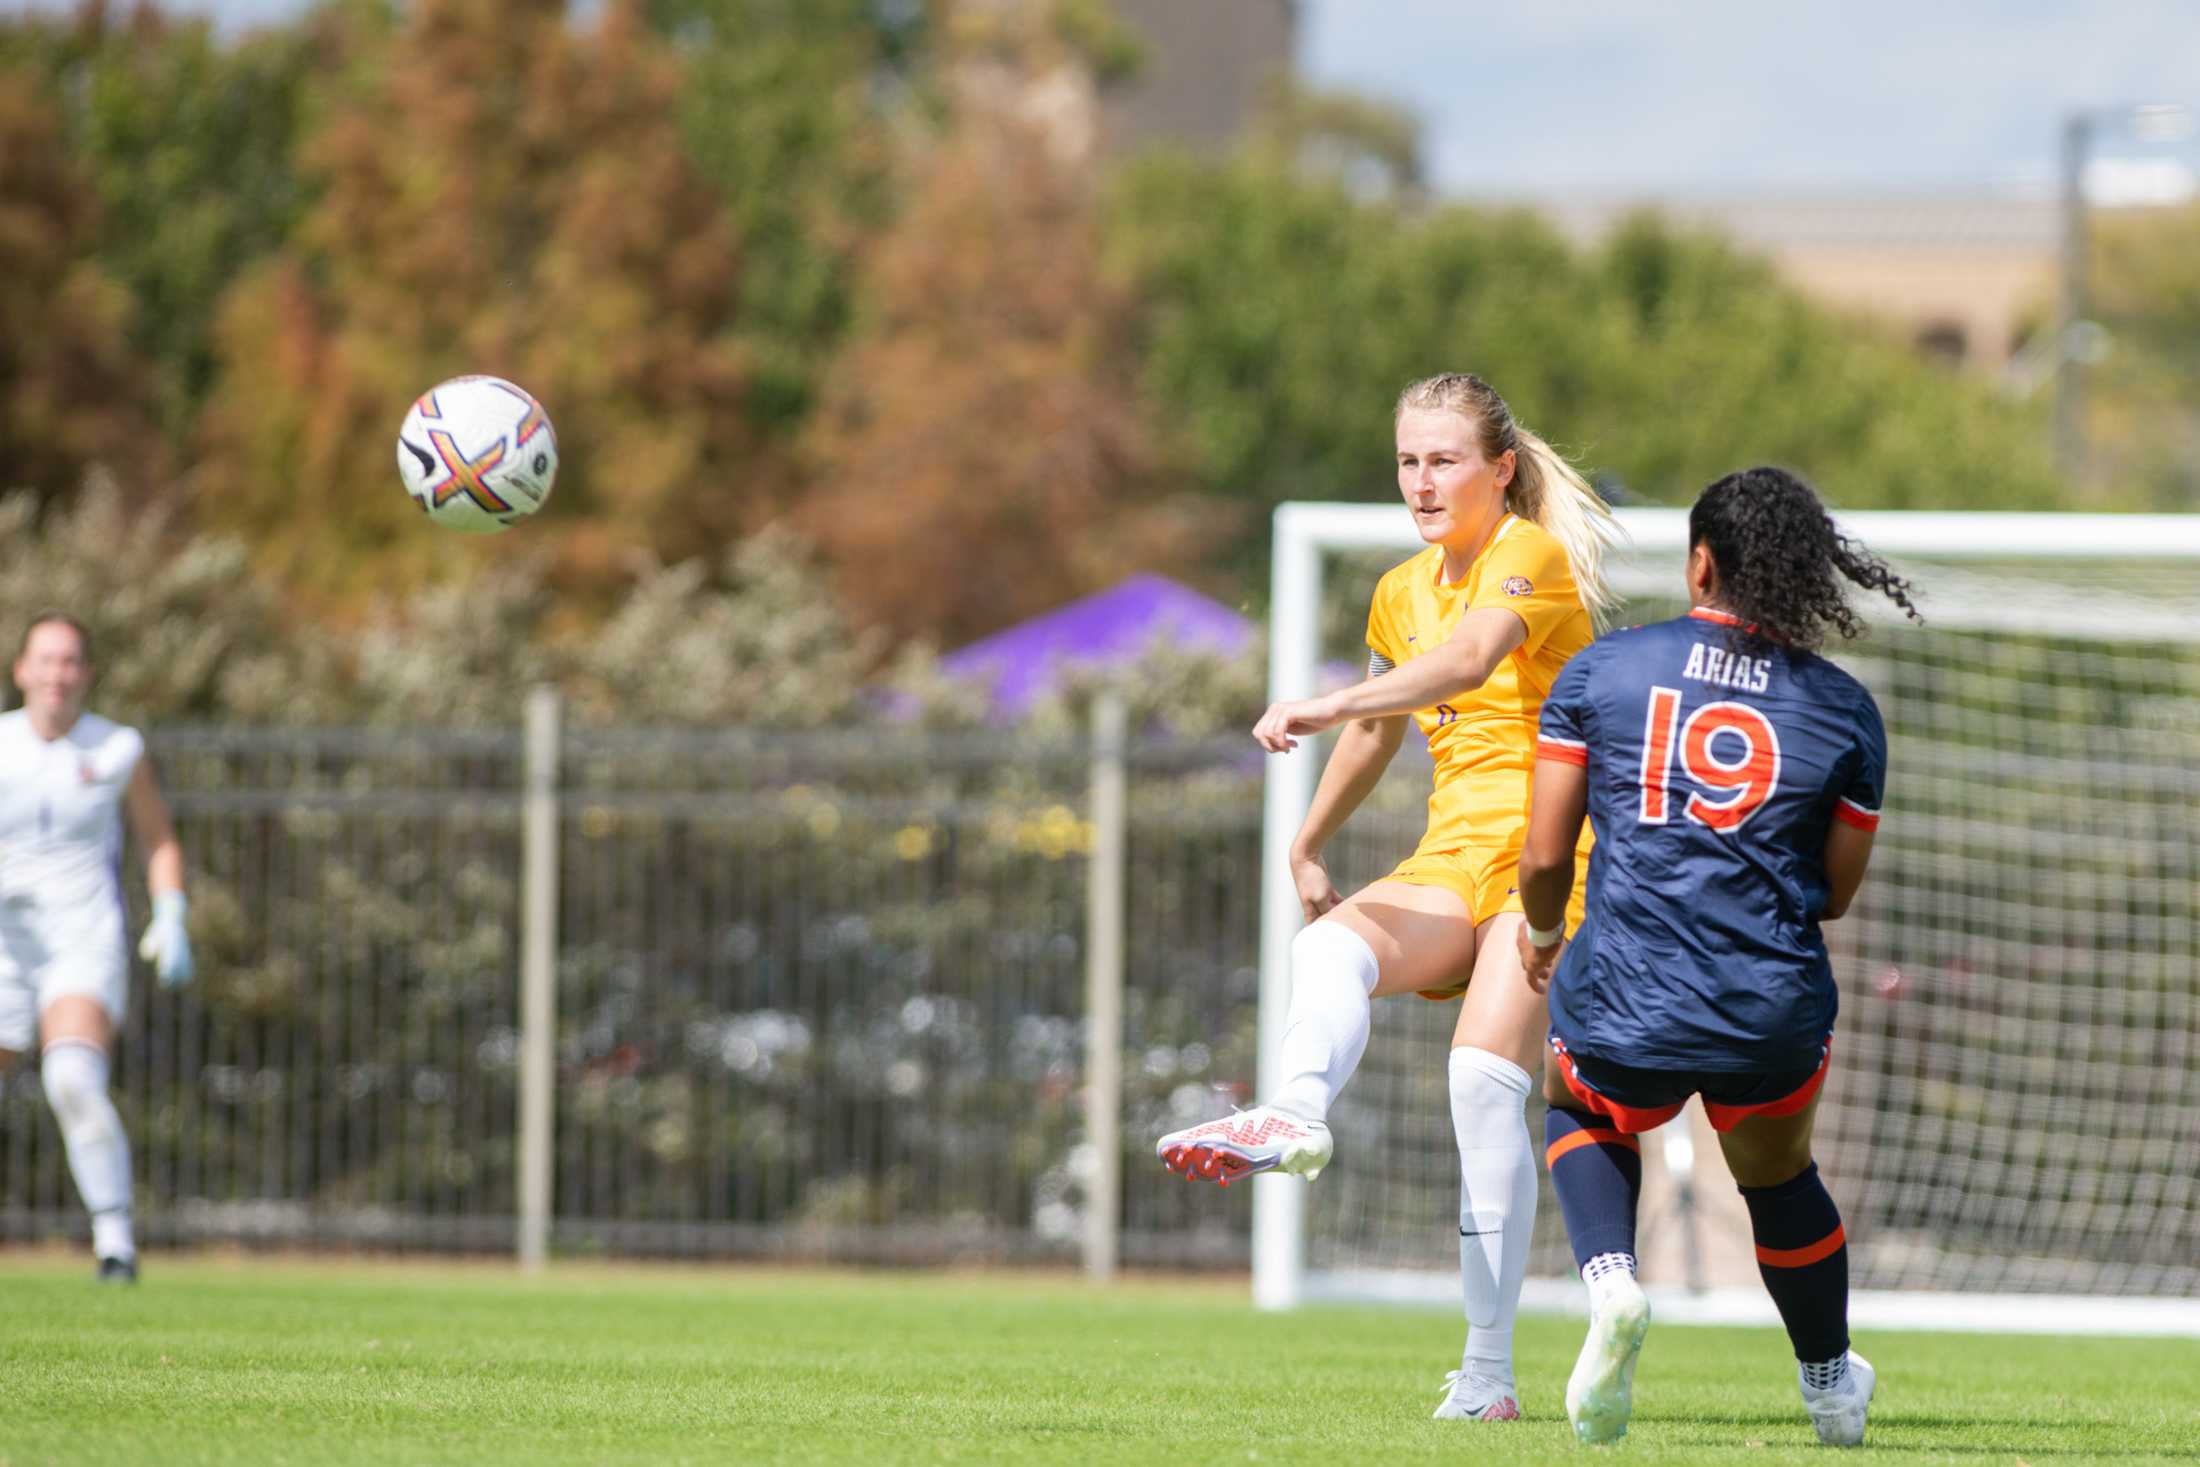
786, 108
981, 453
1278, 315
497, 192
188, 144
2142, 398
1723, 365
72, 394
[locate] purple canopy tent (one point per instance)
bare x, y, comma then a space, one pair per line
1023, 663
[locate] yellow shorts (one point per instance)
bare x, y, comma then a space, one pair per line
1487, 879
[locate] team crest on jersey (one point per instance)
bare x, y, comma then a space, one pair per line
1518, 586
85, 774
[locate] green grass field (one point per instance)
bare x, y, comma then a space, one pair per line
249, 1361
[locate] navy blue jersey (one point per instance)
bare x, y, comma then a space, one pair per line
1715, 771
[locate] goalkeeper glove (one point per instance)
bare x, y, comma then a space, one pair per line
166, 945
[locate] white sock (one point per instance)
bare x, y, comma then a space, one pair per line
1604, 1265
112, 1236
1489, 1097
1607, 1274
1333, 972
75, 1077
1825, 1375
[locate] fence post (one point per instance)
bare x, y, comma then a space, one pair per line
538, 971
1104, 985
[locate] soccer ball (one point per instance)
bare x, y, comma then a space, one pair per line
477, 454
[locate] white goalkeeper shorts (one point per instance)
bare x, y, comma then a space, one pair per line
49, 953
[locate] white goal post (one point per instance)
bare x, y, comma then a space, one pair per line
2030, 617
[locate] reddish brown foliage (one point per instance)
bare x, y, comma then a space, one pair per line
502, 194
71, 392
981, 454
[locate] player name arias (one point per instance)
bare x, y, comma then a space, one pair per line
1723, 669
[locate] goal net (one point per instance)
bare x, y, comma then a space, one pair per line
2012, 1110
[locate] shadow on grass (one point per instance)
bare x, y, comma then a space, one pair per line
1932, 1434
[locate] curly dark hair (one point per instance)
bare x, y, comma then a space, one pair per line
1782, 560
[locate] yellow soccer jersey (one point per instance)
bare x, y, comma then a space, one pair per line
1483, 742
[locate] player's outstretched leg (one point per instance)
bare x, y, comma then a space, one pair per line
1596, 1170
75, 1076
1262, 1139
1333, 975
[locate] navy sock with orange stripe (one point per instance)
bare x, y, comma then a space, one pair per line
1803, 1255
1597, 1173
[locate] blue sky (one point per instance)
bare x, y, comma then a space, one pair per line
1719, 97
1752, 96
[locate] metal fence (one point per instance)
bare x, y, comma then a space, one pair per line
817, 994
826, 995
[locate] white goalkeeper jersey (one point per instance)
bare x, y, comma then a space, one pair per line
61, 814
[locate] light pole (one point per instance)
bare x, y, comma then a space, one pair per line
2077, 141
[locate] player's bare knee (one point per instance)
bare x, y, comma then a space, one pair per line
1758, 1161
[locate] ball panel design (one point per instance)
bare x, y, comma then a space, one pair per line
477, 454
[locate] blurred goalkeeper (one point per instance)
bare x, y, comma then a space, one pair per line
1466, 639
67, 777
1734, 777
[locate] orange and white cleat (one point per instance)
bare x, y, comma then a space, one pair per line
1258, 1140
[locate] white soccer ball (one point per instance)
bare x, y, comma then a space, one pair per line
477, 454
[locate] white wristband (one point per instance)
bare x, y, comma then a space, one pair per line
1545, 936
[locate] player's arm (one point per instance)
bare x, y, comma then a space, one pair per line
1848, 852
1856, 812
1557, 805
166, 944
1364, 749
155, 832
1459, 664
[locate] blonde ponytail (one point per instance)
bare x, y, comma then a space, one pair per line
1545, 488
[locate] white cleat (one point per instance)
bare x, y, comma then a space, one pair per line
1258, 1140
1600, 1395
1838, 1411
1471, 1396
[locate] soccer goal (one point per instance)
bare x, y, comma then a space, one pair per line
2011, 1125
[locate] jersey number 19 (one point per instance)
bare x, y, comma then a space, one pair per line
1733, 778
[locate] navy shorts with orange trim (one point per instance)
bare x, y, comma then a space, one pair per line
1642, 1100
